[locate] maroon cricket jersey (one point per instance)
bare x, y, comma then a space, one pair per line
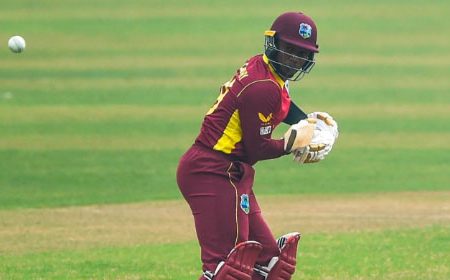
249, 107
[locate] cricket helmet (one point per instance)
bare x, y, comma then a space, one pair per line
296, 29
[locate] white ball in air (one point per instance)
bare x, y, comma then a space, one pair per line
16, 44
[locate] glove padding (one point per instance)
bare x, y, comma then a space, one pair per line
299, 135
328, 120
324, 137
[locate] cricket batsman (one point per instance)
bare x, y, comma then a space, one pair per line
216, 174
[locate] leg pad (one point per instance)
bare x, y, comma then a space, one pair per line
240, 262
283, 266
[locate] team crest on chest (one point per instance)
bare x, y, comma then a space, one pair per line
305, 30
245, 203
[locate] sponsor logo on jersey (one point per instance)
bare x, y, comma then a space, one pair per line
265, 119
305, 30
265, 130
266, 127
245, 203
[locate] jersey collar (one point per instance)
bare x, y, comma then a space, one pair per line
274, 73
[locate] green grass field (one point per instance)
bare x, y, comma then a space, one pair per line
95, 114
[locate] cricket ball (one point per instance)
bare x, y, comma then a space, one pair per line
16, 44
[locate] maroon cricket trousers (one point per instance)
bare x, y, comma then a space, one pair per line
219, 193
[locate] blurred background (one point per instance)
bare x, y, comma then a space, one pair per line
107, 96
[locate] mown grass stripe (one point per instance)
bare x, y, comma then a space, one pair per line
336, 83
61, 113
397, 254
171, 221
396, 141
133, 9
150, 61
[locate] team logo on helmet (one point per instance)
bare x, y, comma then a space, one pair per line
245, 203
305, 30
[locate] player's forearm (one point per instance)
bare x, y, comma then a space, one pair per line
265, 149
295, 114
